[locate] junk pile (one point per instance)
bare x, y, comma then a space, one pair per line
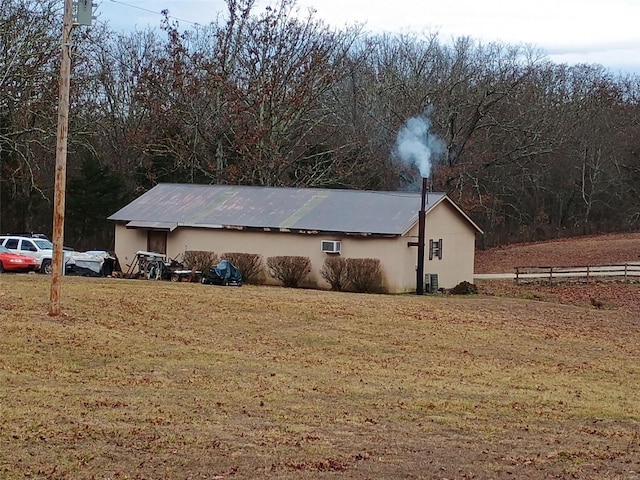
93, 263
156, 266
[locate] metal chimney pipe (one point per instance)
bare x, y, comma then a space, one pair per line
421, 227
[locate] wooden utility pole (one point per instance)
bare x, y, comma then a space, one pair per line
61, 161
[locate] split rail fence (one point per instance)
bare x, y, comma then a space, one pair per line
624, 272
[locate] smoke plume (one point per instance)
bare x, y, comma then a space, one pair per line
415, 145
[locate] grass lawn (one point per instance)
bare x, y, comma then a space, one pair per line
161, 380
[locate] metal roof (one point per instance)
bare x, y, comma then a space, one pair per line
225, 206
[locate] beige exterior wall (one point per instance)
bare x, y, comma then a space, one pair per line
128, 242
397, 258
458, 246
269, 244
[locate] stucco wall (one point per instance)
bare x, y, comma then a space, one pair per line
270, 244
458, 246
128, 242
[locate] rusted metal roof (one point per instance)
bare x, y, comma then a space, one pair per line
307, 209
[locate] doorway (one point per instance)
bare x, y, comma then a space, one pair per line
157, 241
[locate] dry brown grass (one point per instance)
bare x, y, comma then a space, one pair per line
590, 250
610, 294
156, 380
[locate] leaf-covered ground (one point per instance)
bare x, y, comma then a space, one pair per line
594, 250
591, 250
160, 380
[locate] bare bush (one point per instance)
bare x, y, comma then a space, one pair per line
333, 271
250, 264
290, 270
364, 275
200, 259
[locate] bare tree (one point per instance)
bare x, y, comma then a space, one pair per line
112, 104
28, 88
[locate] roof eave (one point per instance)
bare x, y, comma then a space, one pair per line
431, 206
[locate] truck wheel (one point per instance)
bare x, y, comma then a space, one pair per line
1, 267
46, 267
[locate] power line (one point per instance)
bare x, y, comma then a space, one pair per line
155, 12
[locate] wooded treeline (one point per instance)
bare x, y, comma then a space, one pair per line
274, 97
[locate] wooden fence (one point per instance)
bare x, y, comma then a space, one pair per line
623, 272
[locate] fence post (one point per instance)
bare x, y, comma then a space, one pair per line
550, 276
517, 275
626, 279
587, 274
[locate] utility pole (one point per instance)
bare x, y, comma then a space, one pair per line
83, 16
61, 161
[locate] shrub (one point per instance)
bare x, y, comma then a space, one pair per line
200, 259
290, 270
333, 271
250, 265
464, 288
364, 275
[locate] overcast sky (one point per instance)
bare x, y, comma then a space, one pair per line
568, 31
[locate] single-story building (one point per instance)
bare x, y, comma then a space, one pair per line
315, 223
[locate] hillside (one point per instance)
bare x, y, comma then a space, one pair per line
592, 250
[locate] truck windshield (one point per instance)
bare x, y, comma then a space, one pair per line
44, 244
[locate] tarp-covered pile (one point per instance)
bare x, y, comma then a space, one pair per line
95, 263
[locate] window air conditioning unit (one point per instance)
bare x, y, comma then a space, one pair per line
330, 246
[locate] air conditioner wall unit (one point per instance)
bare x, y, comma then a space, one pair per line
330, 246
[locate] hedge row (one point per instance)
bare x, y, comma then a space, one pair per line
363, 275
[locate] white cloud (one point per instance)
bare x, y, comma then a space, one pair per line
589, 31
